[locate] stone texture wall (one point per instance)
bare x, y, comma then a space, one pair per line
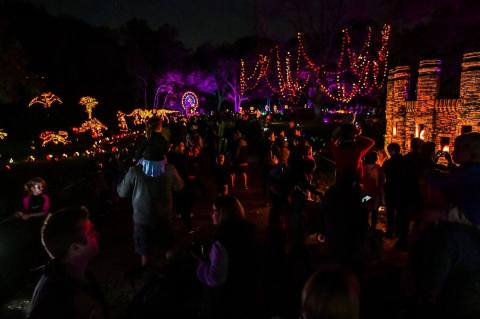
469, 113
439, 118
397, 94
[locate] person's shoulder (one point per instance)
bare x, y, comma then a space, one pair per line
170, 169
53, 295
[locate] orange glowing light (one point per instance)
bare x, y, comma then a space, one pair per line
122, 122
141, 116
89, 103
3, 134
45, 99
94, 126
48, 137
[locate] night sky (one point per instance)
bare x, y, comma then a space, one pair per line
218, 21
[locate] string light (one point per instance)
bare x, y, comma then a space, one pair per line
368, 67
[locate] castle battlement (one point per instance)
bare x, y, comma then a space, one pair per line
429, 118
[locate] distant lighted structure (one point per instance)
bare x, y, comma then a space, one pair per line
427, 117
92, 125
45, 99
122, 122
50, 137
190, 102
3, 134
89, 103
141, 116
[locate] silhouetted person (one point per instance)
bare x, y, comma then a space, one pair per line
392, 168
67, 289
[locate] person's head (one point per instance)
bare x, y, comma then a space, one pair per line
331, 293
227, 209
308, 151
393, 148
347, 132
237, 135
271, 136
195, 151
153, 152
284, 155
467, 148
428, 150
297, 132
35, 186
371, 158
155, 124
221, 159
291, 124
281, 134
68, 235
180, 148
416, 145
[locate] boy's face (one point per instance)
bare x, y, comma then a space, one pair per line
220, 159
181, 147
37, 189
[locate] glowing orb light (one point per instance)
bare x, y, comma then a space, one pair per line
45, 99
190, 102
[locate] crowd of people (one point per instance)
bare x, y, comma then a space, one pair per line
429, 198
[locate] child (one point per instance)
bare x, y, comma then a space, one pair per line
36, 203
222, 173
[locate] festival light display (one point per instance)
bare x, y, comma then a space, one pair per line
122, 122
50, 137
89, 103
46, 99
190, 102
142, 116
358, 73
92, 125
3, 134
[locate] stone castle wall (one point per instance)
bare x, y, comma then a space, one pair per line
429, 118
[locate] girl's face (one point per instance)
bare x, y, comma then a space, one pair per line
37, 189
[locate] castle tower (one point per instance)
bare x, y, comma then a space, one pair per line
422, 121
469, 114
428, 79
397, 93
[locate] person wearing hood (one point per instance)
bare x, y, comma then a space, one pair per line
150, 184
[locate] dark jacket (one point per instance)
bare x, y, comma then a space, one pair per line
151, 196
58, 295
